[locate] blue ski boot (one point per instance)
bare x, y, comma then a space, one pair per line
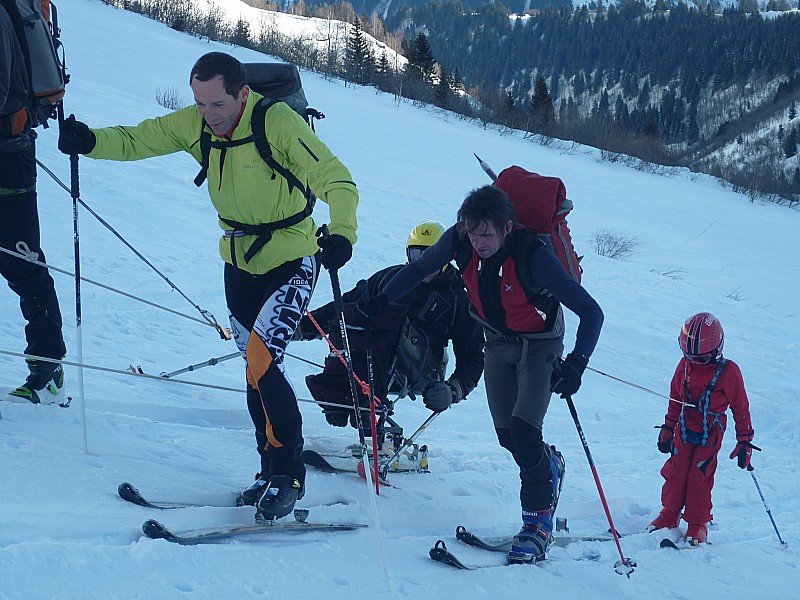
534, 539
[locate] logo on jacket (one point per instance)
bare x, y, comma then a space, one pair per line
510, 287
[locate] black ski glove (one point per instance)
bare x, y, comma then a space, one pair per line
665, 437
336, 251
566, 377
75, 137
439, 395
368, 306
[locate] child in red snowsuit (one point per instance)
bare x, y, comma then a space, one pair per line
703, 387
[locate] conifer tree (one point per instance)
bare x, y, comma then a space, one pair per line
358, 58
790, 143
421, 61
542, 112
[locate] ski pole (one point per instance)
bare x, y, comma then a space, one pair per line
624, 566
339, 303
76, 198
209, 363
769, 512
372, 420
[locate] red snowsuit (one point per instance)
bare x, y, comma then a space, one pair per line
689, 471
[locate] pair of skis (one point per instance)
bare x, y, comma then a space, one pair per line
442, 554
155, 530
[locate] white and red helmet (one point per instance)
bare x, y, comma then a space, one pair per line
702, 338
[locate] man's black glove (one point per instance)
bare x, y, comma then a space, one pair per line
566, 377
336, 251
75, 137
665, 437
439, 395
306, 330
368, 306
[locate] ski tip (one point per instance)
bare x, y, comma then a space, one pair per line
130, 494
156, 531
668, 543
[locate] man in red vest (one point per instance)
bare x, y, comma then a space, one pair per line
516, 287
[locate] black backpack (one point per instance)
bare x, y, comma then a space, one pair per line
277, 82
36, 26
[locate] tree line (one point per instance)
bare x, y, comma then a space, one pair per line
668, 85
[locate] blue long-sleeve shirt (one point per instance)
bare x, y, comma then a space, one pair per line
545, 269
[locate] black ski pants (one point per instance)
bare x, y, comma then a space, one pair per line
264, 312
19, 232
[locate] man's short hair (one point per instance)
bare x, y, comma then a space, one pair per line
486, 203
213, 64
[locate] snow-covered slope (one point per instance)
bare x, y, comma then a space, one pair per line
65, 534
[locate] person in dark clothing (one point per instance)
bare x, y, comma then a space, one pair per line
19, 229
409, 342
516, 287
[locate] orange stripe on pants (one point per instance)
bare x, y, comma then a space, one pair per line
259, 360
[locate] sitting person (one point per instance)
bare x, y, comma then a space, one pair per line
409, 341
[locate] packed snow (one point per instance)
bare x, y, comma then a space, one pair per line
64, 532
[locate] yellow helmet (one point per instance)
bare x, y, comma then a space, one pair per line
422, 237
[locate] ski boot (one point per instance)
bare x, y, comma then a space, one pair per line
531, 543
251, 495
44, 385
279, 498
666, 519
696, 534
536, 535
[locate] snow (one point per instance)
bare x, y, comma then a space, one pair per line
321, 33
64, 533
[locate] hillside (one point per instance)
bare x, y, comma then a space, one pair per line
65, 534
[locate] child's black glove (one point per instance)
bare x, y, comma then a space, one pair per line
665, 437
744, 450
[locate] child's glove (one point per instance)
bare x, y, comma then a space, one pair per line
744, 449
665, 437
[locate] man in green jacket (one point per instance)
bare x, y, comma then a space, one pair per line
269, 243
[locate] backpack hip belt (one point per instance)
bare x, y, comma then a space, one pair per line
262, 231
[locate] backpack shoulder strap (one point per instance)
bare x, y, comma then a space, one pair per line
205, 148
258, 127
259, 138
525, 243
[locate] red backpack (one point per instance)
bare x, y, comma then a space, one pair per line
542, 206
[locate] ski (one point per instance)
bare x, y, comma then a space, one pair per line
321, 460
130, 494
441, 554
158, 531
503, 543
684, 545
317, 461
